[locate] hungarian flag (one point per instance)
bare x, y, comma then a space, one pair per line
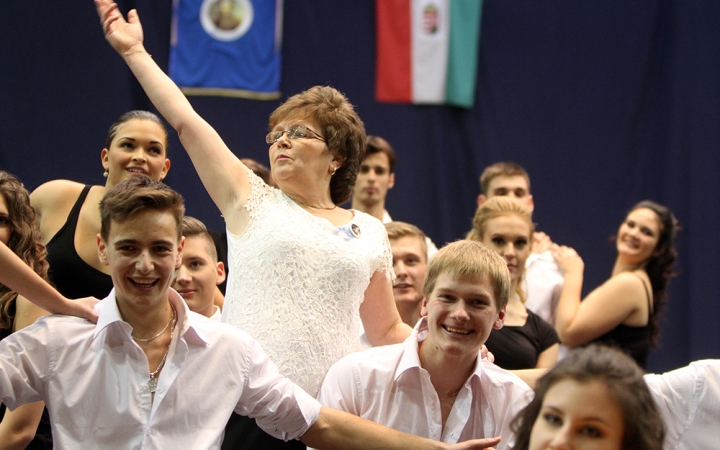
227, 47
427, 51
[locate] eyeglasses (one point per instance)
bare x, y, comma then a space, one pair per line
297, 132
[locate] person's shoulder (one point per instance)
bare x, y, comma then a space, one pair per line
501, 378
372, 358
630, 282
56, 194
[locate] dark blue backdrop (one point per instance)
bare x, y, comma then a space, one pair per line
605, 102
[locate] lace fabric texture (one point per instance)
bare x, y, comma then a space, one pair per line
297, 282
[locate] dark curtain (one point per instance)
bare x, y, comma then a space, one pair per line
605, 103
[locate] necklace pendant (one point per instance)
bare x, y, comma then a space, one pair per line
152, 384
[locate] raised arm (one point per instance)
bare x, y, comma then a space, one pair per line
16, 275
611, 304
222, 173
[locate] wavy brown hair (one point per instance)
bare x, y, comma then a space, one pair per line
25, 240
659, 266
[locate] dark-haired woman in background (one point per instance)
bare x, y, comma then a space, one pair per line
622, 312
68, 212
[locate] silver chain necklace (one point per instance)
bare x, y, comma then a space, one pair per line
152, 382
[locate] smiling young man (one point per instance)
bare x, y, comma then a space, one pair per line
147, 374
434, 384
200, 273
409, 250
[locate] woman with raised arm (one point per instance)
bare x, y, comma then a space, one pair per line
19, 235
525, 341
301, 267
622, 312
68, 213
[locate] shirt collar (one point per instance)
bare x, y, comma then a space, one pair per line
108, 313
411, 353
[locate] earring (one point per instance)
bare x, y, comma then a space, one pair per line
106, 173
334, 170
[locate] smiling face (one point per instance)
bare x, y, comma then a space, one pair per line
138, 148
374, 179
510, 236
6, 228
638, 236
460, 315
198, 275
305, 159
410, 265
581, 416
142, 252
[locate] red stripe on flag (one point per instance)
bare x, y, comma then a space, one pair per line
394, 66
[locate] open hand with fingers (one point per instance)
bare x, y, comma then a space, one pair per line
567, 259
125, 36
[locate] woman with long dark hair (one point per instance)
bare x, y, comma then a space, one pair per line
622, 312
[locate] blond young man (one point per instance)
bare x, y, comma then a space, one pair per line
543, 280
409, 249
435, 384
200, 272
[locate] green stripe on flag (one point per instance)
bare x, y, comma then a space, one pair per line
465, 18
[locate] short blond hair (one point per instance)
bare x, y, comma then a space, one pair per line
470, 260
397, 230
497, 206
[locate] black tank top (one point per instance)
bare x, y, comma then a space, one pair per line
72, 276
633, 341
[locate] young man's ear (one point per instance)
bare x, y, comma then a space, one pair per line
102, 251
391, 181
423, 308
220, 268
178, 258
501, 318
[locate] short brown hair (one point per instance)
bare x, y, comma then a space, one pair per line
470, 260
501, 169
397, 230
138, 194
192, 227
342, 128
376, 144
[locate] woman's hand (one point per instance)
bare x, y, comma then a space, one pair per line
126, 37
568, 260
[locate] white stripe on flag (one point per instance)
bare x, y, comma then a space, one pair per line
430, 20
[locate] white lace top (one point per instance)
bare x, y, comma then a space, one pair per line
296, 282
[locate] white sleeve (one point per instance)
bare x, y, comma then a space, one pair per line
689, 402
340, 388
25, 365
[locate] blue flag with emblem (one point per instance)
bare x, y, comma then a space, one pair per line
227, 47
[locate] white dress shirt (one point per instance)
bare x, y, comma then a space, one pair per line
387, 385
94, 380
543, 283
689, 402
